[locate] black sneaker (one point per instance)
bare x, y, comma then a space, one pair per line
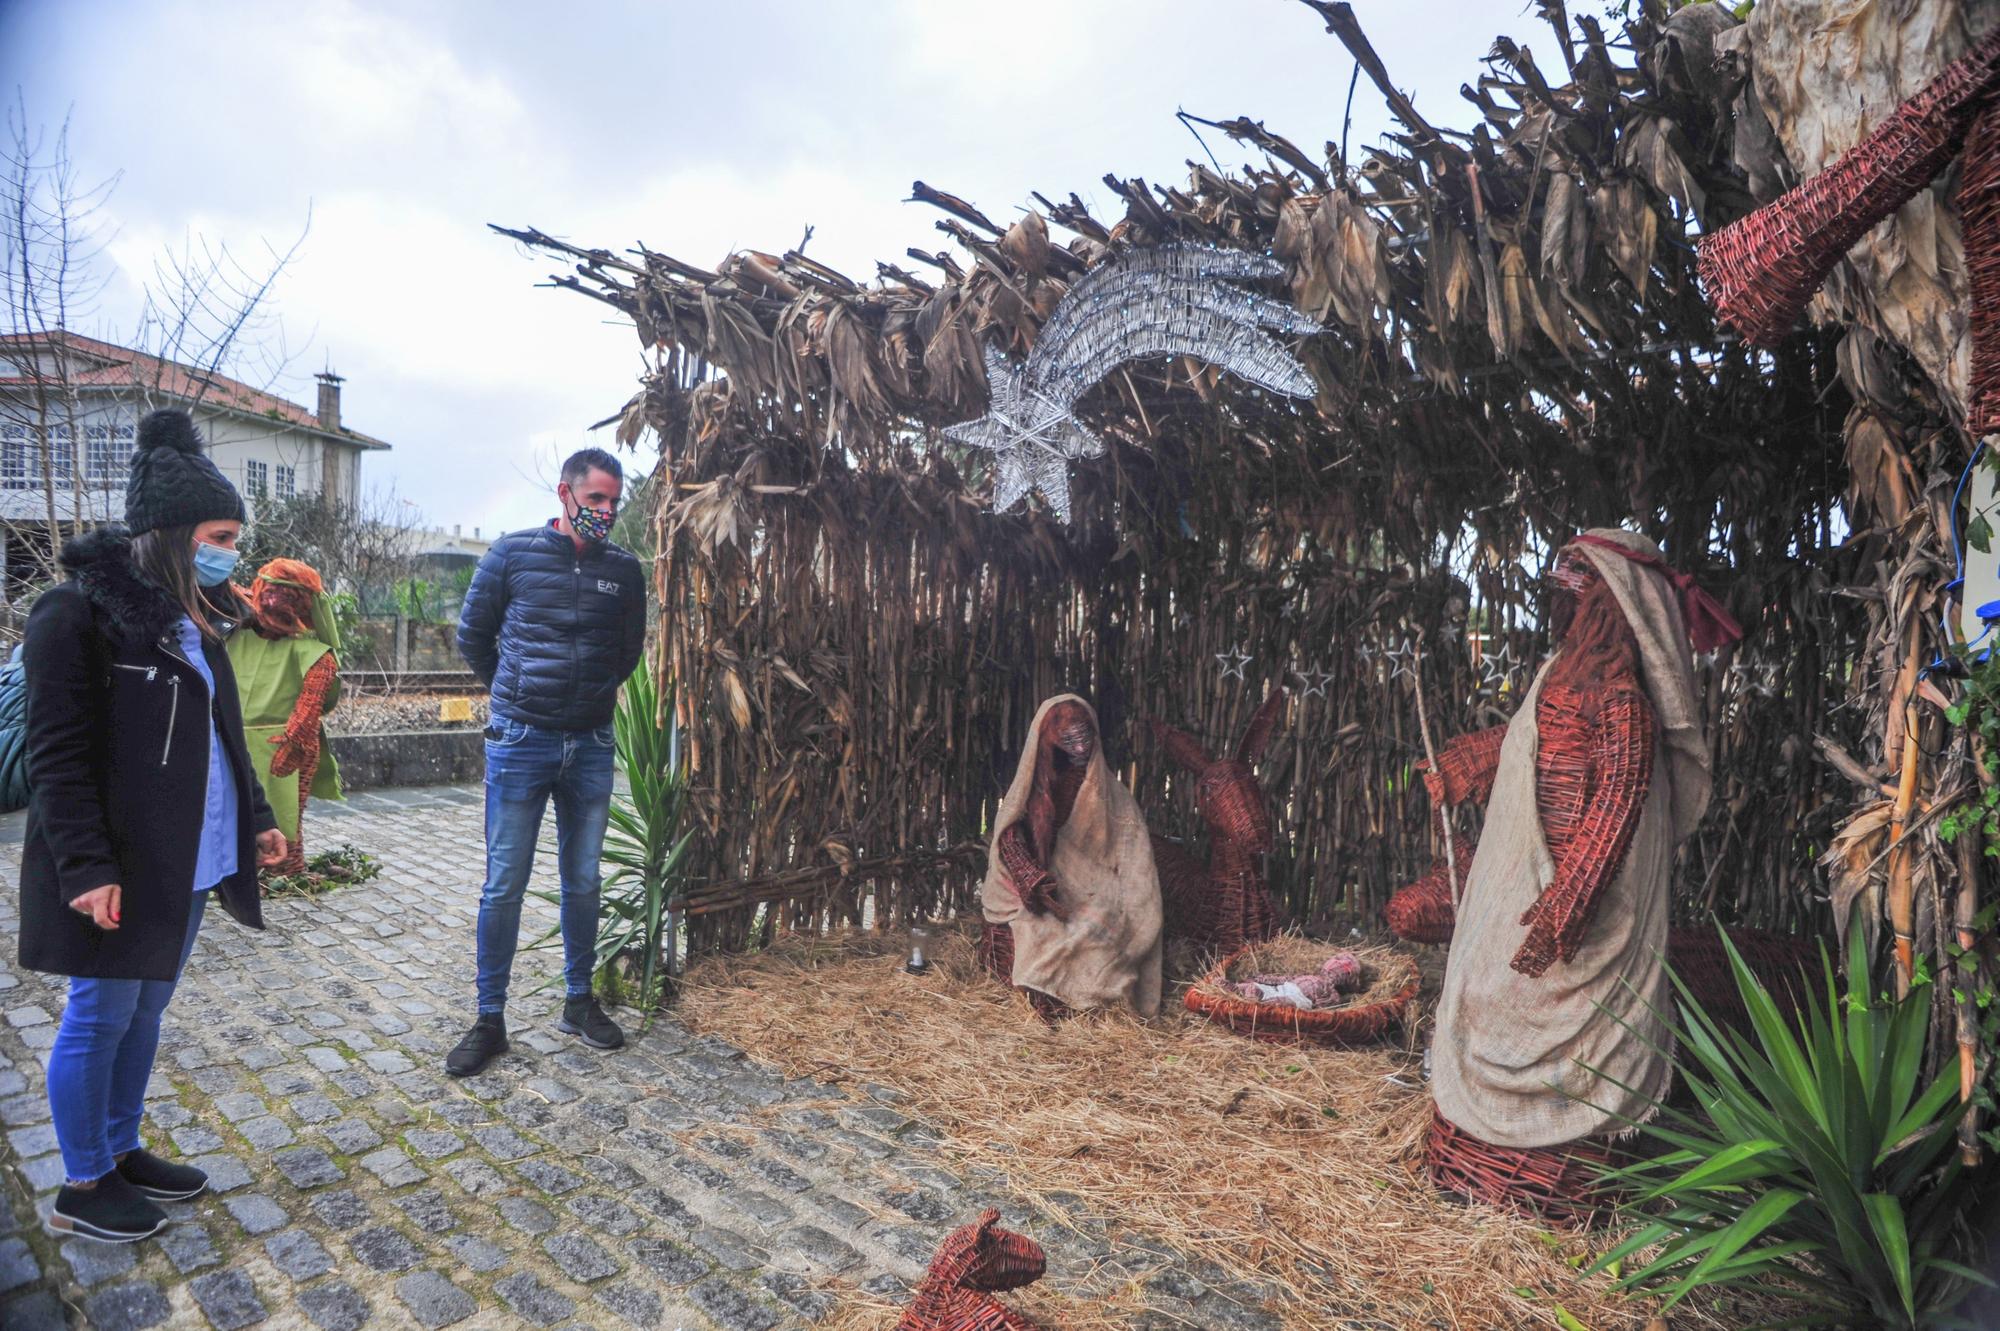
583, 1018
160, 1179
112, 1212
486, 1041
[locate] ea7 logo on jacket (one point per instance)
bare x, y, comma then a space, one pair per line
608, 587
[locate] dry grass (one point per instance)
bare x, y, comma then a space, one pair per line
1299, 1167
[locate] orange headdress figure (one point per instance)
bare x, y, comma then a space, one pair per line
287, 678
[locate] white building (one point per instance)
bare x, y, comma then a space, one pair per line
69, 408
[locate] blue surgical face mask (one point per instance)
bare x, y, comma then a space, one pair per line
213, 564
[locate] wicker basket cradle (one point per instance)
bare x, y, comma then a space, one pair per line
1393, 982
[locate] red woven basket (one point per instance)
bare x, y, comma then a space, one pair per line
1558, 1186
1392, 978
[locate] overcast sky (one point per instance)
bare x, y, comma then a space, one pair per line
693, 126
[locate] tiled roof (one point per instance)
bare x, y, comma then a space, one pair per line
101, 365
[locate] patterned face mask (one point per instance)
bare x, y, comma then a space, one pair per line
593, 524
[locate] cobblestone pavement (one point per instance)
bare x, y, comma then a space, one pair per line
673, 1184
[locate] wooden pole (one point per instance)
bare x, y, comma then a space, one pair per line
1902, 886
1430, 756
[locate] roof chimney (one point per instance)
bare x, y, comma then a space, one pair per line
329, 400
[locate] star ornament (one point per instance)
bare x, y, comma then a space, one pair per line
1314, 681
1239, 658
1497, 668
1165, 300
1402, 659
1033, 439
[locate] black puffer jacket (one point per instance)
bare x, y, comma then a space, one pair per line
554, 632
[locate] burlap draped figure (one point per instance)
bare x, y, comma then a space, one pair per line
1107, 953
1511, 1051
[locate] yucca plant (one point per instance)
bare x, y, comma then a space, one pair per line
643, 846
1817, 1163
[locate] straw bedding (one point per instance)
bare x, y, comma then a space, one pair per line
1295, 1167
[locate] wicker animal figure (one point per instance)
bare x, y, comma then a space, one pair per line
973, 1263
1222, 905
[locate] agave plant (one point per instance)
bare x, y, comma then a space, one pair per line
1818, 1162
643, 846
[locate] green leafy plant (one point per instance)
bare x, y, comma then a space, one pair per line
644, 845
342, 866
1978, 709
1817, 1162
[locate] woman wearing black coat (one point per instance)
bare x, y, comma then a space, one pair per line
143, 806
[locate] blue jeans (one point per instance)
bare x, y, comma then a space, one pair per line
102, 1058
524, 766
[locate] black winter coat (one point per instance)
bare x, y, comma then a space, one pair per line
552, 631
118, 745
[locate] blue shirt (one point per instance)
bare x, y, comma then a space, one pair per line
215, 859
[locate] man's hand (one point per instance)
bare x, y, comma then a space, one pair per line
271, 848
102, 904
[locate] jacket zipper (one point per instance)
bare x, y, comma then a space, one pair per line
150, 672
173, 714
174, 711
576, 602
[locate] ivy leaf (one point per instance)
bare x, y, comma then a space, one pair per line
1979, 534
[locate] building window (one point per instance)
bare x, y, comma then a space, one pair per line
62, 455
288, 481
107, 457
257, 479
14, 448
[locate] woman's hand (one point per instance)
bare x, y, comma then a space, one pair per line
271, 848
102, 904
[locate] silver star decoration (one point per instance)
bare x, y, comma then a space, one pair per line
1239, 656
1403, 658
1497, 668
1168, 300
1366, 651
1448, 634
1314, 680
1033, 438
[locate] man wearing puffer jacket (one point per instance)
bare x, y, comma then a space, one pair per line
554, 622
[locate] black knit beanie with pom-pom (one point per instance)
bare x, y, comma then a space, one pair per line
173, 484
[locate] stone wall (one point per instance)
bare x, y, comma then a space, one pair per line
410, 758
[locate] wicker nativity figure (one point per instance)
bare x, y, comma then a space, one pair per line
1071, 897
287, 675
1550, 1031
